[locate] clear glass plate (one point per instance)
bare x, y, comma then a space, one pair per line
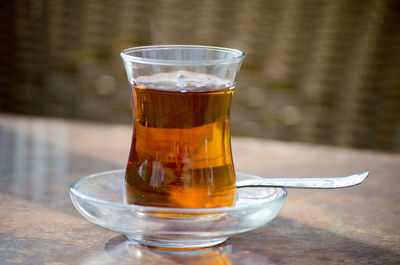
99, 198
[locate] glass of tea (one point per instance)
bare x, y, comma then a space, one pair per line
180, 152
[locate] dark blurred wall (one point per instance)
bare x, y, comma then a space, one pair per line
316, 71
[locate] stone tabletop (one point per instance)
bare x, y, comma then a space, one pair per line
40, 158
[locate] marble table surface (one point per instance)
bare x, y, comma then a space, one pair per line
41, 157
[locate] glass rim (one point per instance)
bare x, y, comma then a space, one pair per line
125, 54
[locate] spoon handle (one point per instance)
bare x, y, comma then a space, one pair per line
307, 183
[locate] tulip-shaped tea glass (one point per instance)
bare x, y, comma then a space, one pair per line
180, 152
179, 189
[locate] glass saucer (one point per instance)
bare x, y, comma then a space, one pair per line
99, 198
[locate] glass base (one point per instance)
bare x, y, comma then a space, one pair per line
173, 242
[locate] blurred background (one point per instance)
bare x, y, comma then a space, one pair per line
325, 72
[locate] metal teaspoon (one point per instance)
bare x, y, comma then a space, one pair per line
306, 183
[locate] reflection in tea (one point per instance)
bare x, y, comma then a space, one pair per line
180, 154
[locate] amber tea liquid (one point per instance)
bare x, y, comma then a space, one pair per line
181, 153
